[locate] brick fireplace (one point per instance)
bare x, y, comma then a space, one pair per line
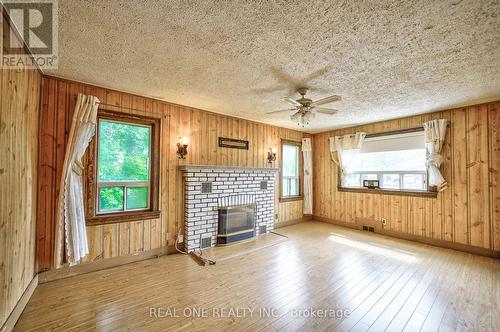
209, 189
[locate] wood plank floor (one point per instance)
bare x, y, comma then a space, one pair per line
359, 281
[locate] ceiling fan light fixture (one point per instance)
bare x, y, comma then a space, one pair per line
303, 107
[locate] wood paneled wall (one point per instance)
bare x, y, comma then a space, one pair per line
19, 109
468, 212
203, 129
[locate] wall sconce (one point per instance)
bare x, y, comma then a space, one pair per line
271, 155
182, 147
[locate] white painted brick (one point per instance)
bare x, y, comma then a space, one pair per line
228, 186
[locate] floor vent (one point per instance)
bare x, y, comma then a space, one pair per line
263, 229
205, 242
369, 228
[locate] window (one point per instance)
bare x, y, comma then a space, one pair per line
123, 172
396, 160
124, 183
291, 164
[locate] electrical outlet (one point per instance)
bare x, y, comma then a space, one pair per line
276, 216
180, 238
384, 221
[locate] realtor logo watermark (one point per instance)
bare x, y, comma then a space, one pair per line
37, 23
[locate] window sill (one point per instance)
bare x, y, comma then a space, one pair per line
119, 217
291, 198
415, 193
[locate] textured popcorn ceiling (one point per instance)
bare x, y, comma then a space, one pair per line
387, 59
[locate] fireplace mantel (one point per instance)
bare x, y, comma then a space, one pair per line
215, 167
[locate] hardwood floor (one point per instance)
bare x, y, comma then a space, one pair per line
366, 281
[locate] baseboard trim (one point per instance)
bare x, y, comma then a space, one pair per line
21, 304
66, 271
338, 223
416, 238
287, 223
307, 217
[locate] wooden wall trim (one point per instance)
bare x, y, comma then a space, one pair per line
401, 192
307, 217
21, 304
66, 271
287, 223
416, 238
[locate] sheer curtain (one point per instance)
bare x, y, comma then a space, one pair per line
71, 233
307, 153
435, 132
344, 150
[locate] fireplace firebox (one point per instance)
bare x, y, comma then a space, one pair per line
236, 223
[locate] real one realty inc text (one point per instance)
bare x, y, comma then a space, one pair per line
245, 312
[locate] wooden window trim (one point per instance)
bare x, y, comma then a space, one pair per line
430, 192
400, 192
300, 196
90, 182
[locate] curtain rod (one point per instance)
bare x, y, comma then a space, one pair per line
116, 106
395, 132
400, 131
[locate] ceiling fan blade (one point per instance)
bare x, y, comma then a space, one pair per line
325, 110
279, 111
326, 100
291, 101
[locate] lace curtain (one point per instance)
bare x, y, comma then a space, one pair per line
435, 132
344, 150
307, 154
71, 233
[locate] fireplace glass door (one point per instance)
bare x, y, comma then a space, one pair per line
236, 223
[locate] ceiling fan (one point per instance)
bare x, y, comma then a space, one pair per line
304, 109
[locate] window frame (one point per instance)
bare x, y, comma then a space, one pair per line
124, 184
92, 186
401, 174
428, 192
300, 170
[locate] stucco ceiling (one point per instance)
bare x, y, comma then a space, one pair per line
387, 59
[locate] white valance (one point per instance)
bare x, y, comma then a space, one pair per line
344, 149
307, 154
435, 132
396, 142
71, 233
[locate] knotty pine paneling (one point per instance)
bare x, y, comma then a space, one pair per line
466, 213
19, 110
203, 129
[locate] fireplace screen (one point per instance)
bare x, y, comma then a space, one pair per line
236, 223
